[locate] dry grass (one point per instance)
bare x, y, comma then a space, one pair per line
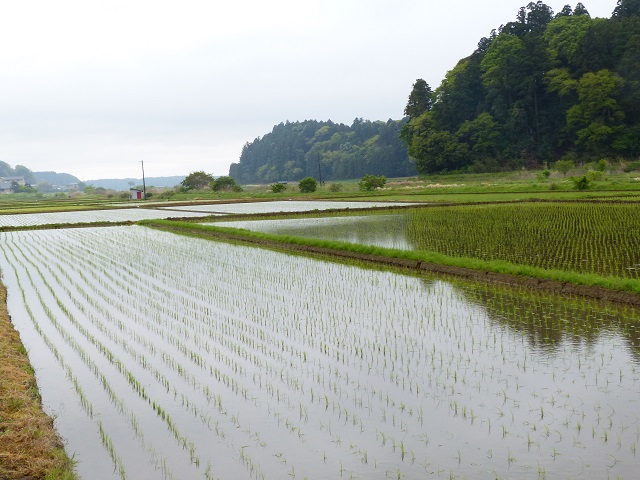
29, 445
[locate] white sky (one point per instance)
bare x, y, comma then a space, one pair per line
92, 87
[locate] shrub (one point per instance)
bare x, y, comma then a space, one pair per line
563, 166
632, 167
371, 182
544, 174
601, 166
278, 187
225, 184
594, 175
581, 183
335, 187
197, 180
308, 185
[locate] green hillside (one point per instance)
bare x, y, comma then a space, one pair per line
541, 88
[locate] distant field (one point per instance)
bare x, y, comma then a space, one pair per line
586, 238
279, 206
583, 243
162, 355
88, 216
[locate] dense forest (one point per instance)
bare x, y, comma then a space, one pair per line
544, 87
326, 151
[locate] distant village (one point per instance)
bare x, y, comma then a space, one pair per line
10, 184
17, 183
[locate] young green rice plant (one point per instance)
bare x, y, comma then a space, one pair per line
564, 236
318, 343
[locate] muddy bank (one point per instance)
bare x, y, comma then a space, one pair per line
30, 448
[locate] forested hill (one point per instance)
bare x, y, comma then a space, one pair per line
543, 87
325, 150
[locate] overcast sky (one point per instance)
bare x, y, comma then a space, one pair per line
92, 88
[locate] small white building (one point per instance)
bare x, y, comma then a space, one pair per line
135, 194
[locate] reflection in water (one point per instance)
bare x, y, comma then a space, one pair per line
549, 321
259, 364
380, 230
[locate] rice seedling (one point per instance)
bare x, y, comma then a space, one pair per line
240, 354
583, 238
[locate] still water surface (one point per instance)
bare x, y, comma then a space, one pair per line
170, 357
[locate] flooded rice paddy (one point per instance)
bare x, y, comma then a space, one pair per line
382, 230
86, 216
170, 357
136, 213
283, 206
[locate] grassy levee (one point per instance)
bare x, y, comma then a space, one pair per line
30, 448
591, 285
59, 226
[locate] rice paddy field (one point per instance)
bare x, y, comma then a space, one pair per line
164, 356
580, 237
586, 238
112, 215
382, 230
282, 206
134, 214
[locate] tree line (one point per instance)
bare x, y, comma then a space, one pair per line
326, 151
541, 88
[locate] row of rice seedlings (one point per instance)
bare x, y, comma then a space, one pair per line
346, 365
84, 401
108, 444
88, 359
584, 238
183, 397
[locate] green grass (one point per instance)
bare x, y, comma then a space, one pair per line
458, 188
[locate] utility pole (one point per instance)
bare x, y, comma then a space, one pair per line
144, 186
319, 171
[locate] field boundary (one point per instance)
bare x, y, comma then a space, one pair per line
536, 283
